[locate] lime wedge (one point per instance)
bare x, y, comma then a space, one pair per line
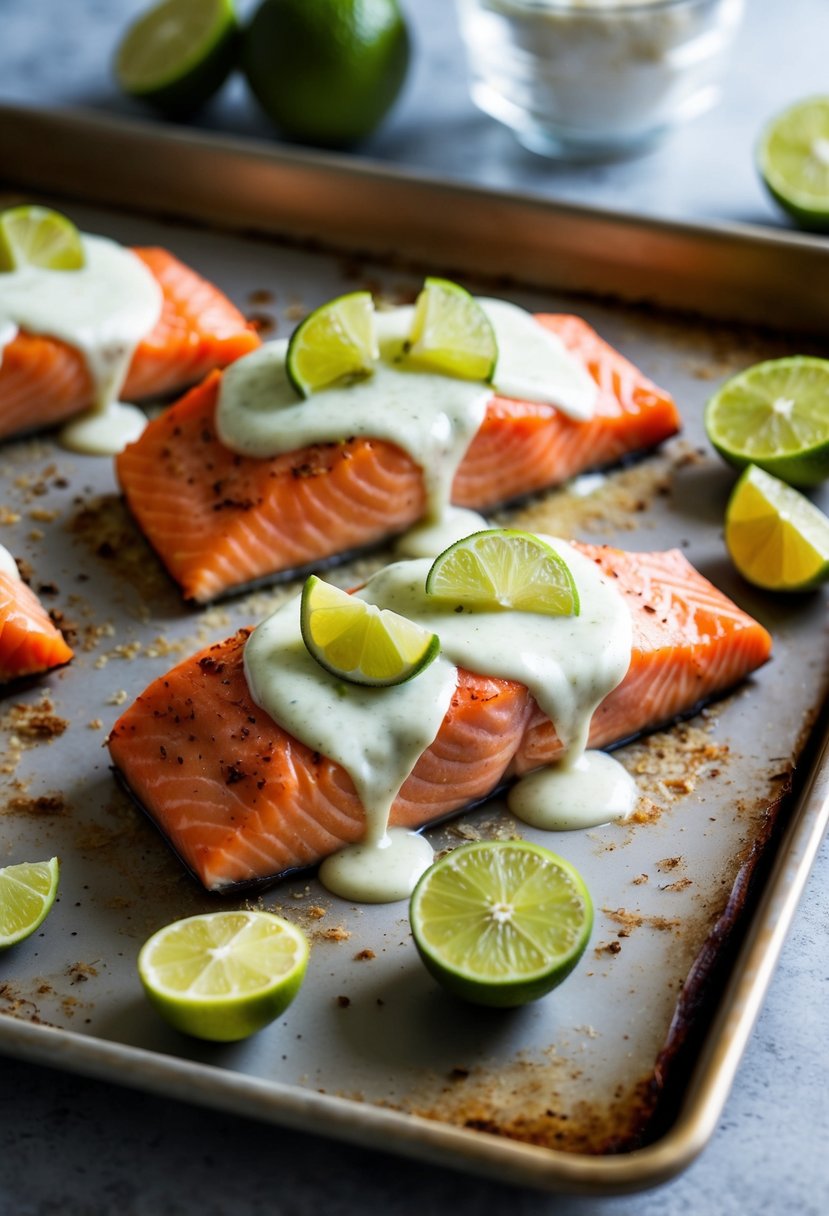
223, 975
36, 236
775, 415
178, 53
336, 341
793, 159
501, 922
27, 892
776, 537
504, 568
451, 333
360, 642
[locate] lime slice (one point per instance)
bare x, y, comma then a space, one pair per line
793, 159
336, 341
451, 333
775, 415
503, 568
27, 892
776, 537
36, 236
360, 642
501, 922
223, 975
178, 53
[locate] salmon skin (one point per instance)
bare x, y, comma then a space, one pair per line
220, 521
243, 802
43, 381
30, 643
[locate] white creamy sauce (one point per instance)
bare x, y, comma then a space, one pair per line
8, 565
431, 416
432, 537
594, 789
103, 310
378, 872
569, 664
104, 432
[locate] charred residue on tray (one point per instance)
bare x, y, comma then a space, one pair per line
103, 523
530, 1100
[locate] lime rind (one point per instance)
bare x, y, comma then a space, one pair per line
37, 236
451, 333
775, 415
359, 642
501, 923
27, 893
793, 159
222, 976
179, 53
777, 538
504, 569
334, 342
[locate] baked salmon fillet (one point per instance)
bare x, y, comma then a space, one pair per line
30, 643
44, 381
220, 521
241, 801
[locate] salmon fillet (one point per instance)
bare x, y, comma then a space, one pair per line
44, 381
242, 801
29, 642
220, 521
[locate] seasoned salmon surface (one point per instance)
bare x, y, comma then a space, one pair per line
44, 381
29, 643
219, 520
240, 800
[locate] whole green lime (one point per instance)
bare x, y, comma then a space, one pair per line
326, 71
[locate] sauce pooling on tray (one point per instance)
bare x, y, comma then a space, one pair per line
432, 417
103, 310
568, 663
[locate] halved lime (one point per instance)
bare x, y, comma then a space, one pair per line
777, 538
504, 568
178, 53
793, 159
501, 922
360, 642
451, 333
334, 342
37, 236
27, 892
224, 975
775, 415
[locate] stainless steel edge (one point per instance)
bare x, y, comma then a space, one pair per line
720, 270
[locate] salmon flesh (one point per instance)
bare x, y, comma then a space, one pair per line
242, 802
44, 381
220, 521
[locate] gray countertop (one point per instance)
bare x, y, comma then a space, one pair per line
73, 1146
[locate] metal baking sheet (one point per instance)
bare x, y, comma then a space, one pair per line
614, 1081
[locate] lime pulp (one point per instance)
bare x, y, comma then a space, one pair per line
501, 923
336, 341
27, 892
775, 415
502, 568
793, 159
178, 53
358, 641
776, 537
223, 975
451, 334
36, 236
